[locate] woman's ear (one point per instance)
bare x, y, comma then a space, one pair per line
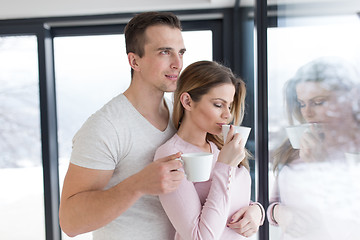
133, 61
186, 101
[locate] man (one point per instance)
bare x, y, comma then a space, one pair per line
111, 184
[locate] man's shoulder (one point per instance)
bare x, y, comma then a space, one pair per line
115, 108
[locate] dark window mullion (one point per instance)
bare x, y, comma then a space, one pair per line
49, 134
261, 110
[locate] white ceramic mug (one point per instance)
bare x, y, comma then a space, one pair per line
295, 134
353, 158
243, 131
197, 166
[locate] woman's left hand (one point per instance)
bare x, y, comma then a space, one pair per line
246, 221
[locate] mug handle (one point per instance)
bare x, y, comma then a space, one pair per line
180, 160
182, 164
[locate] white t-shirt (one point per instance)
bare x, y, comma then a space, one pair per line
119, 138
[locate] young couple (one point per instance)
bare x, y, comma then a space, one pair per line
114, 187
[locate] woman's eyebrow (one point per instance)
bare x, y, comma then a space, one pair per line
221, 99
321, 96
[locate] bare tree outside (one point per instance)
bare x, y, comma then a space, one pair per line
19, 103
21, 173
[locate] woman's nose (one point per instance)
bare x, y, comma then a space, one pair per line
308, 111
226, 114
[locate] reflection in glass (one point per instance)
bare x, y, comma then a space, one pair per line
315, 184
91, 70
21, 181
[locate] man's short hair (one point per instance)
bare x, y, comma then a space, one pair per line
135, 29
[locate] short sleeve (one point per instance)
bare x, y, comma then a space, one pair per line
96, 145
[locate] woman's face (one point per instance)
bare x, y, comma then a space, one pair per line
213, 109
320, 105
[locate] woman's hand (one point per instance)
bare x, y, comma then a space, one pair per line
246, 221
233, 151
296, 222
312, 147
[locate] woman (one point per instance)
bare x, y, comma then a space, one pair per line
311, 182
208, 96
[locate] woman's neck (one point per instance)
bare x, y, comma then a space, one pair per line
192, 134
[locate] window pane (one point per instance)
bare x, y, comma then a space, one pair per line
317, 185
21, 181
91, 70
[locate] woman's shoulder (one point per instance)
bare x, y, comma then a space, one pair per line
168, 148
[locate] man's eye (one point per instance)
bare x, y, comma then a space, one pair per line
165, 52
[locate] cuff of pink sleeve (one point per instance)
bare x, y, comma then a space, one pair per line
270, 213
226, 172
262, 211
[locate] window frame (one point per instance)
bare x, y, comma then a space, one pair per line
219, 21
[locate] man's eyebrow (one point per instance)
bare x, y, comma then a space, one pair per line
164, 48
170, 48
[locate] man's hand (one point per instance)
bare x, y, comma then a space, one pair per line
161, 176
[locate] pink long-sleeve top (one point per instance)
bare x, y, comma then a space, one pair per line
201, 210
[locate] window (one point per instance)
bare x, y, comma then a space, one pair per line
21, 172
322, 189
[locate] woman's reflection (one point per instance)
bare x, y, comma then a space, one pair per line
316, 194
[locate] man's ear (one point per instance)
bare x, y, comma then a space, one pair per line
133, 61
186, 101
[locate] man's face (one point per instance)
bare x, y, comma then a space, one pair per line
163, 58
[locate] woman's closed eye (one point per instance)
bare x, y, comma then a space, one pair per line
319, 102
220, 105
315, 102
302, 105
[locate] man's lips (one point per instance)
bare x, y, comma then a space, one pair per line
172, 76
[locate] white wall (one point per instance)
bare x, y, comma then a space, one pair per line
17, 9
13, 9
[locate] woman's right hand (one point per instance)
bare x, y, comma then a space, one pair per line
233, 151
296, 222
312, 148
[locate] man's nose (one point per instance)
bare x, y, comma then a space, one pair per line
177, 62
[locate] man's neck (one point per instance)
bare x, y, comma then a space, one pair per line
150, 104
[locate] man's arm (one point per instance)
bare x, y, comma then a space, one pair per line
85, 206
